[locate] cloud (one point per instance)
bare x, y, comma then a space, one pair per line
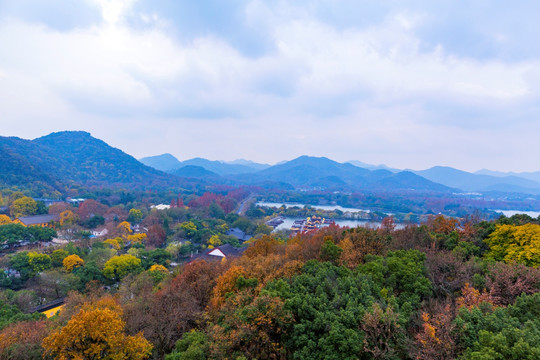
360, 80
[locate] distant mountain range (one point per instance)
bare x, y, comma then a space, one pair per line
68, 159
479, 182
313, 172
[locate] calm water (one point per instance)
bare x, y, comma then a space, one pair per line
508, 213
350, 223
318, 207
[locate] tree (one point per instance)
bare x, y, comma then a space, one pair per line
71, 262
192, 346
156, 235
114, 243
510, 243
125, 228
39, 262
137, 238
214, 241
330, 251
58, 256
119, 266
90, 208
135, 216
22, 340
4, 219
23, 207
97, 332
67, 218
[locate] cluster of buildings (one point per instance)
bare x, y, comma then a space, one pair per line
309, 224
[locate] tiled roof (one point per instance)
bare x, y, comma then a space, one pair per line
38, 219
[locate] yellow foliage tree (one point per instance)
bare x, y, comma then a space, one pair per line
511, 243
157, 267
23, 206
67, 217
4, 220
114, 243
137, 238
97, 332
125, 228
71, 262
214, 241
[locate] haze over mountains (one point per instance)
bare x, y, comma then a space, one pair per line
312, 172
73, 158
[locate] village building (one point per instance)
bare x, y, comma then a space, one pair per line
38, 220
219, 253
50, 309
239, 234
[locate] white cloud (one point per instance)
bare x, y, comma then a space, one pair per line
375, 93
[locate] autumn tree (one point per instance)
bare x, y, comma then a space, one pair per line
67, 218
23, 207
510, 243
125, 228
156, 235
71, 262
137, 238
119, 266
91, 208
97, 332
4, 219
22, 340
435, 340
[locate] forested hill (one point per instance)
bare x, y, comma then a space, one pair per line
62, 159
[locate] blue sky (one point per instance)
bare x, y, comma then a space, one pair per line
411, 84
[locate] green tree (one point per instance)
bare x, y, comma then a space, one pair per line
58, 256
193, 346
401, 273
119, 266
135, 216
39, 262
486, 332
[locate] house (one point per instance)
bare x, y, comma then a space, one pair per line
220, 252
99, 232
50, 309
239, 234
37, 220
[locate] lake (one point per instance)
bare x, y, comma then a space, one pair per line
286, 225
508, 213
317, 207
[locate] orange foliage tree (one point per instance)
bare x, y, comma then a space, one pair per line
97, 332
471, 297
4, 220
22, 340
71, 262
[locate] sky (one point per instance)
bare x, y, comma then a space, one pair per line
411, 84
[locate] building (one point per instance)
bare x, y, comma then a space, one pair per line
38, 220
50, 309
239, 234
219, 253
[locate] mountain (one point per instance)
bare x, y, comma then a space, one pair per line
372, 167
321, 172
534, 175
163, 162
197, 172
473, 182
248, 163
70, 158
